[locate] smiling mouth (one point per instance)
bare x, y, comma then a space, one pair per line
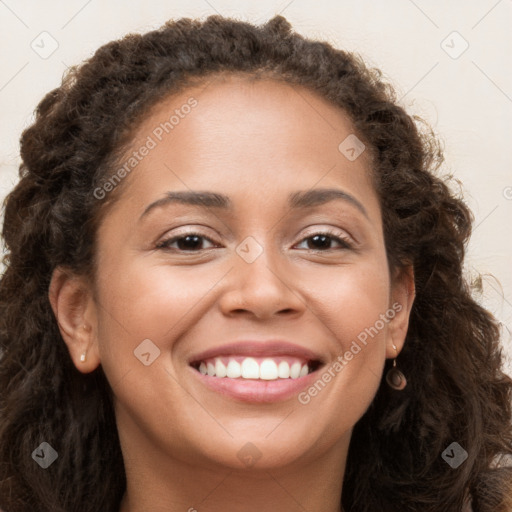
256, 368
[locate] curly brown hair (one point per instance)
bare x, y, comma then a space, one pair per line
452, 356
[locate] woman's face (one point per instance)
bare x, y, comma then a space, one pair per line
255, 288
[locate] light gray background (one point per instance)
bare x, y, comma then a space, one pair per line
465, 95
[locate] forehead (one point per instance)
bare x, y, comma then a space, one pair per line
231, 133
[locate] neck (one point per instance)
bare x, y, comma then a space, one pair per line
158, 482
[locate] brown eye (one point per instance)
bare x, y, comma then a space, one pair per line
186, 242
322, 241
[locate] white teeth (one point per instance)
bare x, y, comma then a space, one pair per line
220, 368
268, 370
283, 370
295, 370
234, 369
251, 368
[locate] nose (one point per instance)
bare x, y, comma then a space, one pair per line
262, 288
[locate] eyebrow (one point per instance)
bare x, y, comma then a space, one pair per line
296, 200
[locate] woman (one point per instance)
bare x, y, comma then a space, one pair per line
234, 281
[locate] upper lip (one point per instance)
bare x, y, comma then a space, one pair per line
248, 348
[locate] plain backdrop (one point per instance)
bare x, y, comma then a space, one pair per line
449, 62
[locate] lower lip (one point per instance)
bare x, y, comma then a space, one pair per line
259, 391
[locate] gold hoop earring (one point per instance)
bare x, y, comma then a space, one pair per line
395, 378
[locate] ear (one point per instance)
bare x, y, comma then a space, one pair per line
403, 292
75, 310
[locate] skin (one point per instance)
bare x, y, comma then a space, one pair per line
255, 142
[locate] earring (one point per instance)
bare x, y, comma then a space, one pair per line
395, 378
83, 357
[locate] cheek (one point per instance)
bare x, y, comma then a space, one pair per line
140, 301
350, 306
146, 300
347, 300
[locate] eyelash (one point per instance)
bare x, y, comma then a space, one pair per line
164, 244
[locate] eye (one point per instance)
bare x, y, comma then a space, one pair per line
192, 241
187, 242
323, 240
